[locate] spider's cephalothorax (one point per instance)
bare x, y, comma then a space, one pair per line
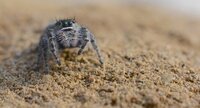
63, 34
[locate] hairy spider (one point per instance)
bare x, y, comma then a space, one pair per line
62, 34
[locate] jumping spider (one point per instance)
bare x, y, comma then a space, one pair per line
62, 34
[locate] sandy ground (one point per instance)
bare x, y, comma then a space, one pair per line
152, 58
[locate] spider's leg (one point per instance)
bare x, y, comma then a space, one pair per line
83, 38
53, 47
82, 47
43, 53
94, 45
40, 57
46, 53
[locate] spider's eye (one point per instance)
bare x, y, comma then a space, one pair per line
68, 24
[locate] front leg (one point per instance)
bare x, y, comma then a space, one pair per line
40, 56
94, 45
43, 53
82, 47
53, 47
83, 38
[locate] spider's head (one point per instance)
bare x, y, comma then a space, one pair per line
66, 24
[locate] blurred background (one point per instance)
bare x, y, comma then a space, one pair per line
190, 7
186, 6
49, 10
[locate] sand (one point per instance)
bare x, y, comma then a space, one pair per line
152, 58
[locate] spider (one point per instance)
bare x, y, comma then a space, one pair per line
62, 34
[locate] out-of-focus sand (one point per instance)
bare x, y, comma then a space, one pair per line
152, 58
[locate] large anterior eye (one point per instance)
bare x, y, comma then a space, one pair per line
68, 24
